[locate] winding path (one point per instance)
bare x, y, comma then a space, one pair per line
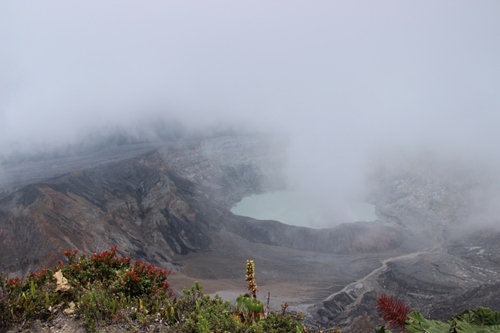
364, 286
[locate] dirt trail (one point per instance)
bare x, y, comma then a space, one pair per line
363, 281
363, 285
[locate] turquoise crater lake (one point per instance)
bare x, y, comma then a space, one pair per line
295, 209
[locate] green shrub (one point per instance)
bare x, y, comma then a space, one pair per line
102, 285
481, 320
31, 299
104, 289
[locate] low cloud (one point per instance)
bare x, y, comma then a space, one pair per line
344, 80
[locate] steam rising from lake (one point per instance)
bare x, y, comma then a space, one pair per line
345, 80
296, 209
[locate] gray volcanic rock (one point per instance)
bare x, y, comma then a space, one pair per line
454, 265
169, 205
360, 237
165, 201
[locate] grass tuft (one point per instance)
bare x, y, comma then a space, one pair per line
105, 289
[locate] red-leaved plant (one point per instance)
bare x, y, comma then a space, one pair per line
393, 311
119, 274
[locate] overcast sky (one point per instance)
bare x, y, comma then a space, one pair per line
344, 77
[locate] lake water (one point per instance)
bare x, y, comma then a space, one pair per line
295, 209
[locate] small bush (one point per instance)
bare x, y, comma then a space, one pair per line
105, 289
397, 314
393, 311
102, 285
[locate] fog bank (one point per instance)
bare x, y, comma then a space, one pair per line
343, 80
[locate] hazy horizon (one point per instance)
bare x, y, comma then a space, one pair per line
345, 80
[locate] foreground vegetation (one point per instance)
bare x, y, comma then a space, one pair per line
105, 289
398, 316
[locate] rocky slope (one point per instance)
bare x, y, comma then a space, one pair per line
154, 201
454, 265
169, 203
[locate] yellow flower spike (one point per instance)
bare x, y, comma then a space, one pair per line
250, 278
